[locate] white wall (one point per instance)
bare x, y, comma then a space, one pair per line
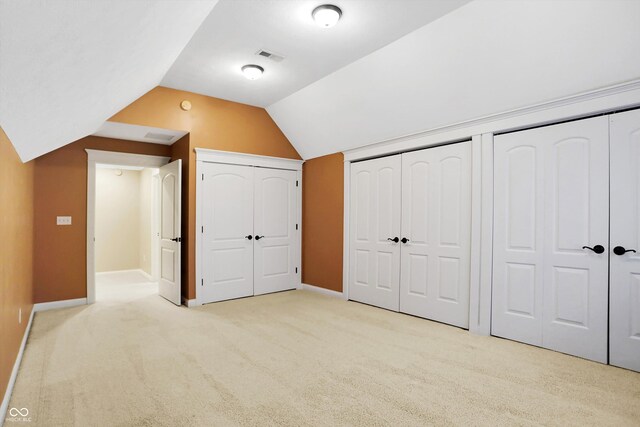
487, 57
117, 220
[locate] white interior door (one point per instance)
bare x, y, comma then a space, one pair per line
170, 231
275, 212
624, 326
375, 219
436, 220
227, 232
551, 195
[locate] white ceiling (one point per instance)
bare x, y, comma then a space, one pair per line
66, 65
483, 58
232, 34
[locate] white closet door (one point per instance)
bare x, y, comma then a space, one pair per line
624, 327
518, 238
551, 197
275, 229
375, 218
436, 220
227, 235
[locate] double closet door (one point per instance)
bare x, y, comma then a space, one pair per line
410, 218
566, 208
249, 231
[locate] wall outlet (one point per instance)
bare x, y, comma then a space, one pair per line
20, 315
63, 220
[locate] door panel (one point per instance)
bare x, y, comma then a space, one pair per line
375, 216
275, 220
550, 199
436, 218
624, 327
170, 228
227, 219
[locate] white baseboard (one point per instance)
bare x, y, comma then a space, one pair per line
43, 306
323, 291
132, 270
14, 372
190, 302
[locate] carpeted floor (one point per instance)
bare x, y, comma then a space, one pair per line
299, 358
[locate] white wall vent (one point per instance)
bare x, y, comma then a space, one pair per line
159, 136
272, 56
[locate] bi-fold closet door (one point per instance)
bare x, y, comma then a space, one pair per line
248, 231
410, 217
566, 208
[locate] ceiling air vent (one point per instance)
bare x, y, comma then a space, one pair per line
159, 136
272, 56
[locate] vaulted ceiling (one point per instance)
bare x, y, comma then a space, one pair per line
67, 66
389, 68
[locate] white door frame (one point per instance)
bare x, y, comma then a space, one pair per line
95, 157
204, 155
481, 132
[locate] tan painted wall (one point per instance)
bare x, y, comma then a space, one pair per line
146, 219
118, 220
16, 254
60, 188
322, 221
212, 123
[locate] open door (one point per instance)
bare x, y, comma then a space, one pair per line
170, 227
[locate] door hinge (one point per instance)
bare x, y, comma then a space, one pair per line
202, 229
203, 177
201, 282
296, 226
296, 183
296, 270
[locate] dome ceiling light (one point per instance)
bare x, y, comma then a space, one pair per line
326, 15
252, 71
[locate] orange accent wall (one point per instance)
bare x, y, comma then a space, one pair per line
60, 187
212, 123
322, 221
16, 254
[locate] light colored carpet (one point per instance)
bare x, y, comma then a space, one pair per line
298, 358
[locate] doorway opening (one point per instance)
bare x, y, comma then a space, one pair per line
126, 232
117, 278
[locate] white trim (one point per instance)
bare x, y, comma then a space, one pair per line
16, 368
345, 244
623, 95
95, 157
298, 247
215, 156
53, 305
476, 220
483, 319
323, 291
233, 158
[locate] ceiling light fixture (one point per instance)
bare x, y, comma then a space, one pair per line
252, 71
326, 15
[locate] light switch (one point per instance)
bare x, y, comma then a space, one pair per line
63, 220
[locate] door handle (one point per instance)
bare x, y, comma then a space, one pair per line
404, 240
177, 239
620, 250
248, 237
394, 240
259, 237
599, 249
